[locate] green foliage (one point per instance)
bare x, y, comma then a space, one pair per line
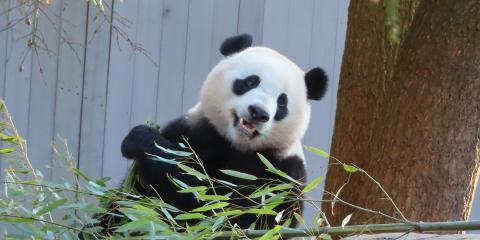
35, 208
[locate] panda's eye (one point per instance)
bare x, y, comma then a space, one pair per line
241, 86
282, 100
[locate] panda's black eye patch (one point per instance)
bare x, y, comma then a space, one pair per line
282, 110
241, 86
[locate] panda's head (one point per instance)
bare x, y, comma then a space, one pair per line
257, 98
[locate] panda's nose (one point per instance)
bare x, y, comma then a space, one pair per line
258, 114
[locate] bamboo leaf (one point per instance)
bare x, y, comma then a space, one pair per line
14, 219
188, 216
237, 174
317, 152
161, 159
261, 211
192, 171
299, 218
211, 207
217, 223
349, 168
266, 162
197, 189
51, 206
312, 185
271, 234
325, 236
174, 152
229, 213
80, 173
346, 220
269, 189
284, 175
134, 225
213, 197
336, 196
279, 216
7, 150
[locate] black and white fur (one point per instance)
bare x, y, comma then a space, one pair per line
253, 100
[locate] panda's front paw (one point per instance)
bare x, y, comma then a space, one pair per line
139, 141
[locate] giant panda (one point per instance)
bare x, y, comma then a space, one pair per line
255, 100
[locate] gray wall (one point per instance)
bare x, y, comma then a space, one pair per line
92, 96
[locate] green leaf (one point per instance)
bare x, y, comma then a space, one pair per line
199, 189
170, 151
237, 174
261, 211
325, 236
14, 219
7, 150
229, 213
349, 168
134, 225
161, 159
272, 234
266, 162
211, 207
269, 189
192, 171
213, 197
299, 218
51, 206
187, 216
217, 223
336, 196
317, 152
80, 173
312, 185
12, 140
284, 175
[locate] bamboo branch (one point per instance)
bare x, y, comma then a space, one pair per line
371, 228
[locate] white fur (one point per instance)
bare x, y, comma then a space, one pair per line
277, 75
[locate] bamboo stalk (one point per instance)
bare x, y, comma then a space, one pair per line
372, 228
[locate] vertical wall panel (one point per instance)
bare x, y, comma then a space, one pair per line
172, 60
4, 18
199, 40
119, 95
250, 19
323, 47
68, 102
4, 6
225, 22
97, 56
149, 35
42, 92
275, 32
17, 84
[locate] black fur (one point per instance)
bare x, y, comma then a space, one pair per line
235, 44
242, 86
316, 80
282, 110
216, 153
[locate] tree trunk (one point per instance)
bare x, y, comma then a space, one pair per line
408, 113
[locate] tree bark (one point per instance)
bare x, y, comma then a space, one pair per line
408, 113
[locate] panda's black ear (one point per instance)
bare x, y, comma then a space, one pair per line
235, 44
316, 81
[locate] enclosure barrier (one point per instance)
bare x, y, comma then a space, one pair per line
371, 228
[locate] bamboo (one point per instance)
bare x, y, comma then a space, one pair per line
372, 228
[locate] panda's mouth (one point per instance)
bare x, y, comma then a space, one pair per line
246, 127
